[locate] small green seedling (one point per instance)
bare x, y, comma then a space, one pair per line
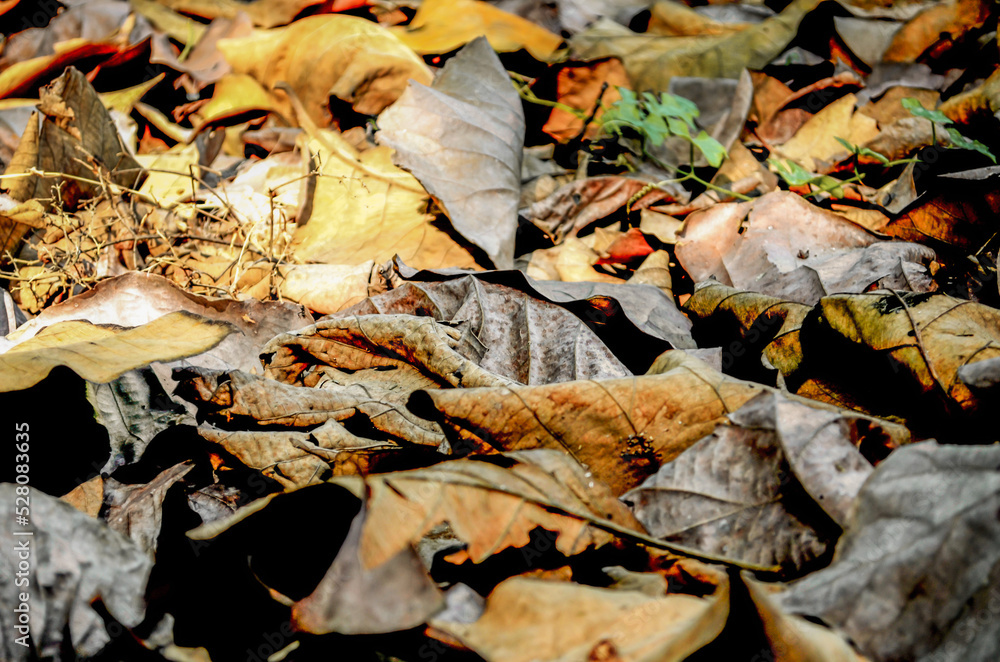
954, 136
795, 175
657, 118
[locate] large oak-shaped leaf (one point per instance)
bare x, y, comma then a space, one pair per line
917, 574
462, 138
363, 208
348, 57
739, 491
72, 560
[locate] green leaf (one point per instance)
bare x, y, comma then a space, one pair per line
679, 127
878, 156
968, 143
713, 150
656, 129
793, 173
917, 109
853, 149
669, 105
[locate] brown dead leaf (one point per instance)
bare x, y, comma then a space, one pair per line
954, 18
87, 497
78, 138
576, 205
400, 350
737, 491
135, 299
75, 561
815, 144
267, 405
652, 61
136, 511
353, 598
579, 85
673, 19
957, 214
622, 430
100, 354
782, 245
925, 339
748, 325
489, 507
525, 339
265, 13
902, 585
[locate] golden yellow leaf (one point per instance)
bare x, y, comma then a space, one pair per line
441, 26
100, 354
365, 208
817, 139
328, 55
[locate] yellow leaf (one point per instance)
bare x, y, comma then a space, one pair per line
365, 208
101, 354
328, 55
817, 139
441, 26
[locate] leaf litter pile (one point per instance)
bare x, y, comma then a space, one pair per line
591, 330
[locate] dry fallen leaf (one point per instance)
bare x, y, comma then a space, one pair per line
365, 208
737, 491
73, 561
901, 585
652, 61
100, 354
328, 55
462, 139
441, 26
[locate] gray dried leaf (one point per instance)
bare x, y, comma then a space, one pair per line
462, 138
917, 574
73, 560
